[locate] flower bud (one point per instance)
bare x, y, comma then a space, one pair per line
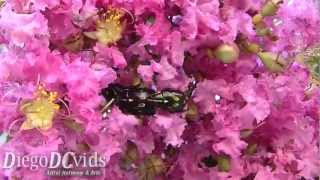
253, 48
227, 53
270, 8
224, 163
257, 19
272, 61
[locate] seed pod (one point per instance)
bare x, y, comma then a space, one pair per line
151, 167
227, 53
273, 62
130, 156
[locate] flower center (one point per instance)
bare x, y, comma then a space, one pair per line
40, 111
109, 28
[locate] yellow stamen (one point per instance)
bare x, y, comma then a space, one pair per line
108, 29
40, 111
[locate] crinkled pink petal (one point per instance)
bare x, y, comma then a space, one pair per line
173, 127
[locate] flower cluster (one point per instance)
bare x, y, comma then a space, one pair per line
253, 115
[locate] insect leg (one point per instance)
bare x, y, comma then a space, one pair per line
107, 105
191, 87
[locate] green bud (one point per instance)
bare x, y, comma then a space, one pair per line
257, 19
253, 48
227, 53
224, 163
273, 62
270, 8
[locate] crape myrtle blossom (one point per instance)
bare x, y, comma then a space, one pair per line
253, 114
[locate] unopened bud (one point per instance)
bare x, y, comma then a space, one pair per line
257, 19
270, 8
227, 53
224, 163
273, 62
253, 48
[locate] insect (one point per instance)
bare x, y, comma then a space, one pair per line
143, 101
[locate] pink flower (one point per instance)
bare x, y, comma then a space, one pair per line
111, 56
258, 106
20, 29
172, 127
231, 143
265, 124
